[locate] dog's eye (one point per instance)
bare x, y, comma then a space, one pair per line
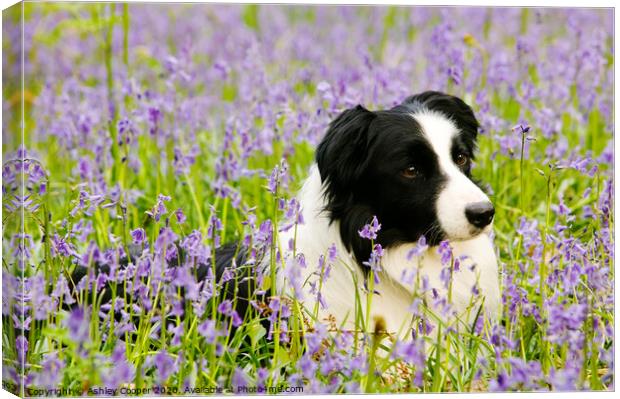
410, 172
461, 159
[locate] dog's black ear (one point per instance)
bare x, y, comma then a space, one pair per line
343, 152
342, 157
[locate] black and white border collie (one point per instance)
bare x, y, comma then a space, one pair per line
410, 167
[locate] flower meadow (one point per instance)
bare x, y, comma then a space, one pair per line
146, 136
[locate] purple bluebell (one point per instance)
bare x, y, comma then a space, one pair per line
138, 236
370, 230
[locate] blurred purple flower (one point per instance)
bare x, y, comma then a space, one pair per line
165, 365
225, 307
240, 378
419, 249
78, 325
51, 371
21, 346
278, 178
138, 236
122, 371
369, 231
445, 251
209, 331
60, 247
181, 219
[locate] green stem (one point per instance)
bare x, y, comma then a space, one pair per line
521, 173
197, 204
543, 278
126, 35
108, 55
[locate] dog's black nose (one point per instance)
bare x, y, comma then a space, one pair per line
480, 214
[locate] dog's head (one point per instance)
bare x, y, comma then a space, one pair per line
410, 166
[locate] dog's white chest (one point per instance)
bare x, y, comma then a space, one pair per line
344, 292
457, 287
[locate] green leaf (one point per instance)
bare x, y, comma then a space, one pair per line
283, 357
250, 16
229, 93
256, 332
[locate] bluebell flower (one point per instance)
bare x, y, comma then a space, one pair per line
419, 249
370, 230
165, 365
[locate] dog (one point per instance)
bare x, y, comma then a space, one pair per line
410, 168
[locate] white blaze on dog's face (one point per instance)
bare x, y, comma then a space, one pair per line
463, 209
